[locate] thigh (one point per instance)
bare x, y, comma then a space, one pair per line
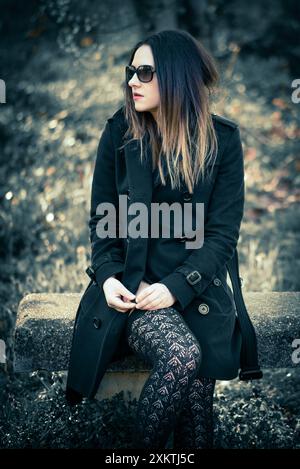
162, 333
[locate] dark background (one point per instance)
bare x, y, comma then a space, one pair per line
63, 65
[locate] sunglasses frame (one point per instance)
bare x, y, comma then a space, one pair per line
136, 70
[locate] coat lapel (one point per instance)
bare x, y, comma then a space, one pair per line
140, 190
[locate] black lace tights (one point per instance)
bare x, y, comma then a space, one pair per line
174, 397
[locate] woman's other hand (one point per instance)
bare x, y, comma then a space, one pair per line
155, 296
117, 296
141, 287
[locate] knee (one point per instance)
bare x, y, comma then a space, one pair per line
187, 360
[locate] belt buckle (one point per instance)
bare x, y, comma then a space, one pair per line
190, 275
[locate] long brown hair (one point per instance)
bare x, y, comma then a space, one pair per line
183, 139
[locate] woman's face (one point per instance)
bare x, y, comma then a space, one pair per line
150, 92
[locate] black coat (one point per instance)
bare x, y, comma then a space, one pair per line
199, 283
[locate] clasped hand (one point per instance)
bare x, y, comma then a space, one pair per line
148, 297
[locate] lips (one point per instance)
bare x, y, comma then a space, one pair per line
137, 94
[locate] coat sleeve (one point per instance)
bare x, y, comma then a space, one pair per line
221, 230
106, 253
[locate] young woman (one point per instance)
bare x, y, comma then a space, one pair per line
183, 320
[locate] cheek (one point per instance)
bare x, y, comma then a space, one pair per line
155, 93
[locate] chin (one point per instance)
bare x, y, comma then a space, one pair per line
141, 108
139, 104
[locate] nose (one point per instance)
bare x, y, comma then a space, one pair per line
134, 80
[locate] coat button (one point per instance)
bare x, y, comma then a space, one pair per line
203, 308
187, 196
217, 282
97, 323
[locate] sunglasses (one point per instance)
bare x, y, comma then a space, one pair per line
144, 73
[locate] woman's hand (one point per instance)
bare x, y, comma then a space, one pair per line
154, 296
141, 287
116, 295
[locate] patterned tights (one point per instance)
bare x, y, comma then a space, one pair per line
174, 398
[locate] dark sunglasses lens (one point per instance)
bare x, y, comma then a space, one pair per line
145, 74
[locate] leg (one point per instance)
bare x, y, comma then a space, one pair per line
194, 427
162, 337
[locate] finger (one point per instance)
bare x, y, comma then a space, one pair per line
125, 298
152, 306
118, 303
155, 305
128, 301
122, 310
126, 293
144, 294
149, 299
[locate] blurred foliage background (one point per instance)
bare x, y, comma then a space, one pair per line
63, 64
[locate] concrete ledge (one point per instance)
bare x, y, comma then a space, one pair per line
44, 326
